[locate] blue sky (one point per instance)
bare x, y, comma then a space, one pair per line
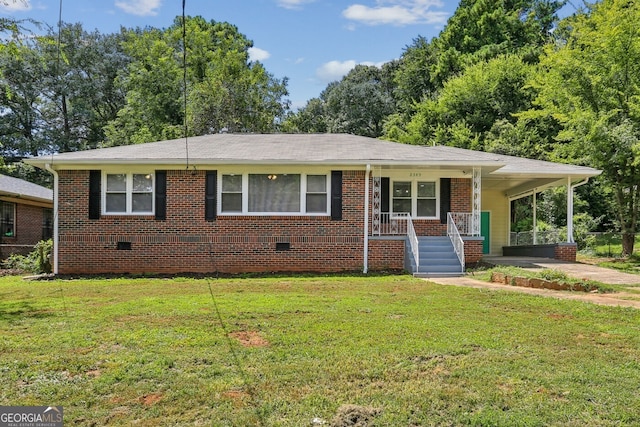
312, 42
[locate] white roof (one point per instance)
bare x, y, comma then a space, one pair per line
305, 149
19, 188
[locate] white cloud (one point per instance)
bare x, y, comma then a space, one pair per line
334, 70
257, 54
139, 7
397, 12
16, 5
293, 4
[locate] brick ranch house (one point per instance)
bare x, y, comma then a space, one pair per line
26, 215
233, 203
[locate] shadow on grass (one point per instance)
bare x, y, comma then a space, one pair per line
13, 311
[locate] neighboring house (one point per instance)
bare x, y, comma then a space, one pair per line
232, 203
26, 215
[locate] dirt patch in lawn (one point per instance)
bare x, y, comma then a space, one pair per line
150, 399
249, 339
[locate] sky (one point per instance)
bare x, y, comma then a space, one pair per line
311, 42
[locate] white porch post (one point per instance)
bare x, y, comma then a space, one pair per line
476, 201
535, 216
366, 220
569, 211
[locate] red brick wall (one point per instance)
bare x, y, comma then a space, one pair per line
386, 254
27, 228
185, 242
28, 224
460, 195
565, 252
472, 251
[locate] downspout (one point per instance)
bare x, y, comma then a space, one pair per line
55, 217
366, 220
570, 188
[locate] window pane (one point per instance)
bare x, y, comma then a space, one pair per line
426, 189
232, 183
316, 184
317, 203
402, 189
274, 193
232, 202
116, 202
402, 205
142, 183
142, 202
426, 207
7, 213
117, 182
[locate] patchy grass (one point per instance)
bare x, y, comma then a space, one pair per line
283, 351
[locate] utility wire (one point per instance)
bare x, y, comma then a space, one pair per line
184, 80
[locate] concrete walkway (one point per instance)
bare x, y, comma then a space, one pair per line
572, 269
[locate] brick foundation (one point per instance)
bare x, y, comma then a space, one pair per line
472, 251
565, 252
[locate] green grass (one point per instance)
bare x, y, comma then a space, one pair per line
154, 352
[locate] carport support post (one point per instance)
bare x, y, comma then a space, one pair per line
535, 216
569, 211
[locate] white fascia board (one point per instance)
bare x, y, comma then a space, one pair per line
85, 163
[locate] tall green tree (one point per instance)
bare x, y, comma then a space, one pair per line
483, 29
358, 104
470, 105
224, 89
590, 83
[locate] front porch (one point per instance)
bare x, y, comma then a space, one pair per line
468, 202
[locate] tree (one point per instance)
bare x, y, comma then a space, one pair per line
468, 106
590, 83
358, 104
224, 89
483, 29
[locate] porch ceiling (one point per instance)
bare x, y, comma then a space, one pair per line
513, 186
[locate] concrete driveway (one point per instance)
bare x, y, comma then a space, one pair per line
573, 269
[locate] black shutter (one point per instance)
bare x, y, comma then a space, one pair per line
445, 199
210, 192
95, 180
385, 184
336, 195
161, 195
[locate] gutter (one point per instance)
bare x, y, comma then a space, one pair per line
55, 218
366, 220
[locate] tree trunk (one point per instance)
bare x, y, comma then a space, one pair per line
628, 240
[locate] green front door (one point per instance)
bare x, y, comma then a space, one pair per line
485, 231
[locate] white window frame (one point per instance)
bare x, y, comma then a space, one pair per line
414, 196
129, 193
303, 194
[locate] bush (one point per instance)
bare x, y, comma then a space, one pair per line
38, 261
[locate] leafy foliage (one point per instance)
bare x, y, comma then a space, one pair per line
38, 261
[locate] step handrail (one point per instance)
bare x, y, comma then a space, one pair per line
456, 239
413, 241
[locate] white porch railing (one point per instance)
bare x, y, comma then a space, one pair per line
413, 240
390, 224
465, 222
456, 238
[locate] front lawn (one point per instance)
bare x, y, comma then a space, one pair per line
285, 351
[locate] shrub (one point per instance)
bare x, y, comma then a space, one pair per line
38, 261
